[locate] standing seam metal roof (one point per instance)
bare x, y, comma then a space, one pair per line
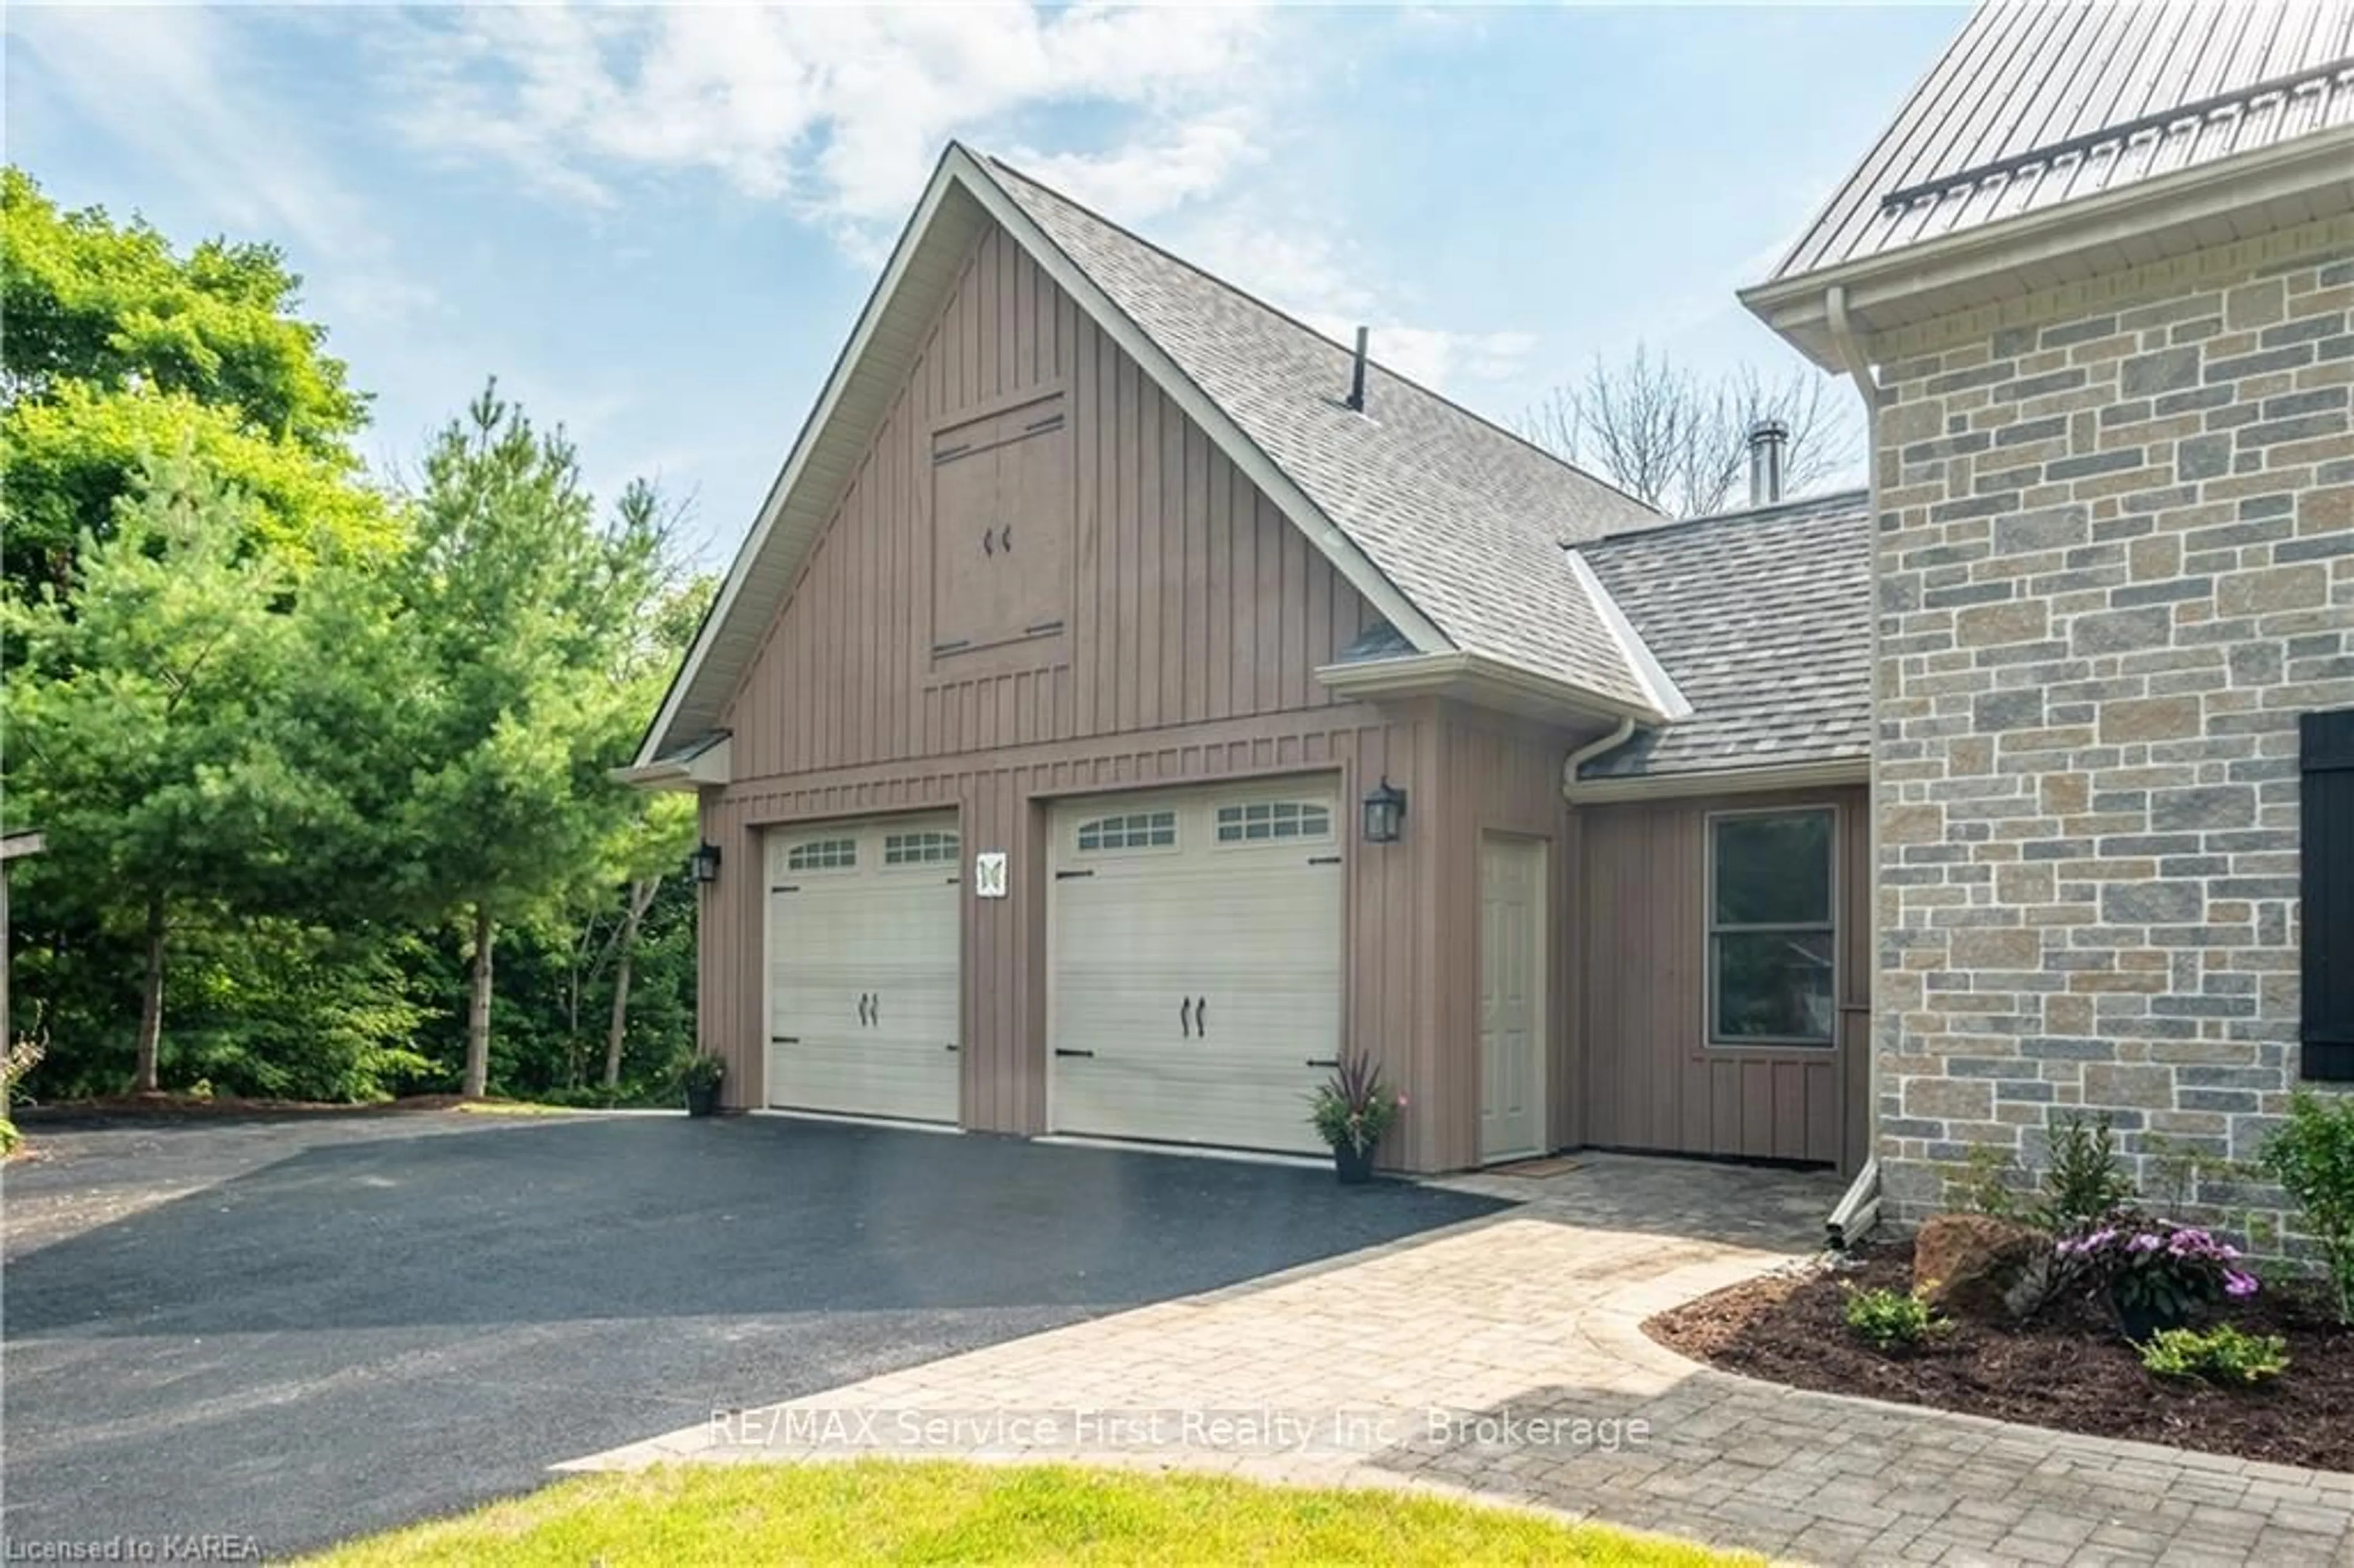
2037, 104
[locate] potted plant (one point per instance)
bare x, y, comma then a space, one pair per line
701, 1078
2155, 1273
1351, 1109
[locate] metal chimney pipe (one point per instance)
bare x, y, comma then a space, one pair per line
1357, 372
1768, 439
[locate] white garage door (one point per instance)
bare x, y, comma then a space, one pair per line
862, 968
1196, 954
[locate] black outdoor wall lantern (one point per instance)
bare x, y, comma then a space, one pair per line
704, 863
1384, 812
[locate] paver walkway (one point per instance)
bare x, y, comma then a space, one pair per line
1505, 1357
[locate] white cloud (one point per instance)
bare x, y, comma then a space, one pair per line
1301, 272
841, 111
158, 81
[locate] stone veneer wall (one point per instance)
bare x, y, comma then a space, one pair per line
2116, 559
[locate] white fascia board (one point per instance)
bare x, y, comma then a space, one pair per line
1658, 684
1477, 678
2305, 166
1335, 545
723, 605
1722, 781
705, 769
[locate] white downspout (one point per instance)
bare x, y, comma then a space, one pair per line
1858, 1209
1587, 753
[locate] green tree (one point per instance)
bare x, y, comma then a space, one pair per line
530, 631
142, 736
118, 349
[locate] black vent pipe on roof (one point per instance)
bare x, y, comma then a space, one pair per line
1357, 372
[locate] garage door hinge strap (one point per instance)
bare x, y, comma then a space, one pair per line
1323, 860
784, 1039
1067, 876
1067, 1051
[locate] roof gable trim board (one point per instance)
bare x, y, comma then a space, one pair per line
1657, 682
747, 555
1198, 407
960, 170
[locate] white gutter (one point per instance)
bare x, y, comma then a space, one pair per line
1587, 753
1718, 781
2299, 179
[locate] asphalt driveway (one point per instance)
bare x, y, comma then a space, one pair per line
298, 1330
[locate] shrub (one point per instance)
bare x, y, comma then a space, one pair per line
9, 1138
2155, 1268
1354, 1107
1886, 1320
2311, 1158
2086, 1182
2219, 1355
703, 1071
1987, 1182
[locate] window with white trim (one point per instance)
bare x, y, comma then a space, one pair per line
823, 854
928, 848
1132, 830
1772, 939
1255, 820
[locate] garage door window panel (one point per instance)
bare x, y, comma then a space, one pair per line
1128, 832
1270, 821
823, 854
1772, 937
919, 849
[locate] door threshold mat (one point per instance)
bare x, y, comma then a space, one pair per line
1552, 1166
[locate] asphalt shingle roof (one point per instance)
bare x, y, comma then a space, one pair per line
1764, 620
2037, 104
1465, 519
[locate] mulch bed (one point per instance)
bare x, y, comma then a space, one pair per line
2067, 1369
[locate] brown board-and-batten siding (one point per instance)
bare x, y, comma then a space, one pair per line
1651, 1080
1196, 616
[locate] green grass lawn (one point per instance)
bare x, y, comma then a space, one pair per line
878, 1510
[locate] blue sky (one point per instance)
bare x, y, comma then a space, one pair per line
656, 224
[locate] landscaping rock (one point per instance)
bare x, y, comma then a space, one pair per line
1981, 1267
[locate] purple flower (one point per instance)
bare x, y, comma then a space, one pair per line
2237, 1285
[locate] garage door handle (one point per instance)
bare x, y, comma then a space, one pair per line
863, 1002
1202, 1017
784, 1039
1066, 1051
1185, 1017
1324, 1061
949, 1047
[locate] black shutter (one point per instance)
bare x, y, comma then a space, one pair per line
2327, 750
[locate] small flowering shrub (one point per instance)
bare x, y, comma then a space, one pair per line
2219, 1355
1885, 1318
2154, 1269
1354, 1107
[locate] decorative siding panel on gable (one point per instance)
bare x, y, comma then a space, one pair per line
1190, 597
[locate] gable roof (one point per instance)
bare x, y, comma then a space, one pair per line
2036, 104
1450, 526
1465, 518
1764, 620
2052, 141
